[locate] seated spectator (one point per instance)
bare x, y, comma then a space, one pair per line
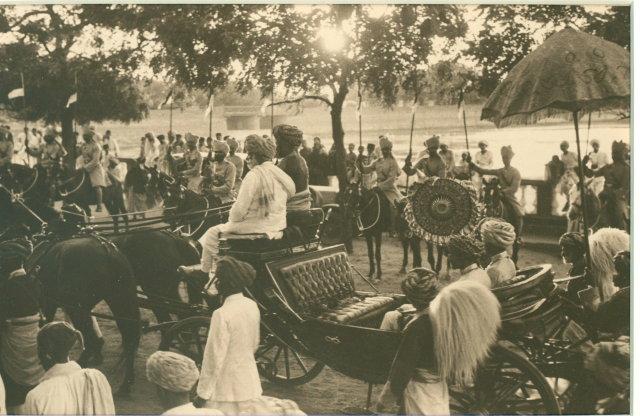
572, 251
65, 388
420, 287
175, 376
464, 254
498, 237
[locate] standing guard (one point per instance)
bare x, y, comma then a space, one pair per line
193, 160
6, 149
91, 158
236, 160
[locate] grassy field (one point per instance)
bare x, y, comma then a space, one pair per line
534, 145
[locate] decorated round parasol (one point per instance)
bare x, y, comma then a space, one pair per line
440, 208
571, 73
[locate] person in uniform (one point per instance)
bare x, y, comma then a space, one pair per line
6, 149
420, 287
616, 191
222, 174
175, 376
318, 164
448, 158
50, 152
66, 388
92, 163
20, 300
150, 151
193, 161
433, 165
464, 254
164, 155
236, 160
261, 205
569, 177
288, 140
483, 159
498, 237
387, 172
440, 347
368, 179
509, 179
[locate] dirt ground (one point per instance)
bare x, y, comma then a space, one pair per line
329, 393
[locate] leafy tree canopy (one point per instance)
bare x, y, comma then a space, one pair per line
510, 32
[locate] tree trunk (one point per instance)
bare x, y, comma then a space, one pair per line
338, 137
69, 140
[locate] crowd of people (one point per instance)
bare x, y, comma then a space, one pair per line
39, 377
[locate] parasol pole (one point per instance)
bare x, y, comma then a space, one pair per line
464, 122
272, 89
584, 205
586, 146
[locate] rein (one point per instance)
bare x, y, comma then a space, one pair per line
65, 194
33, 183
361, 227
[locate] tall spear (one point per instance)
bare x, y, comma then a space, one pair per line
24, 115
210, 110
461, 111
416, 91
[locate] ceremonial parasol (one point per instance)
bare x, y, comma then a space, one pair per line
572, 72
440, 208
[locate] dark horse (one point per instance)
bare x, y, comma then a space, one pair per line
408, 239
187, 211
371, 211
76, 189
497, 208
76, 274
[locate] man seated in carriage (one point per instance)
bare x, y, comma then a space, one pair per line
431, 164
420, 287
288, 140
261, 205
464, 254
222, 174
498, 237
193, 162
572, 249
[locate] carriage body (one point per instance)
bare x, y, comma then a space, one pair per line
310, 309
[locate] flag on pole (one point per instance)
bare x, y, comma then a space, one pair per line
460, 105
209, 107
18, 92
167, 100
72, 99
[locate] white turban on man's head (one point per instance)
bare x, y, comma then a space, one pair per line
171, 371
498, 233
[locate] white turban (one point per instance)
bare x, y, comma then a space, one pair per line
171, 371
498, 233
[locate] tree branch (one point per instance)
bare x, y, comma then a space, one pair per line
304, 97
26, 16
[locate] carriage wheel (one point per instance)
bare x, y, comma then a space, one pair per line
187, 337
281, 364
507, 383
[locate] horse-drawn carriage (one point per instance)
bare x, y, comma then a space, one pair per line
312, 314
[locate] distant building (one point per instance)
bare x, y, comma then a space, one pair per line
255, 117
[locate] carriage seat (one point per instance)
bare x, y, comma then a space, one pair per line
319, 285
302, 228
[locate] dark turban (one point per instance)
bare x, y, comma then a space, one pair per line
464, 247
234, 275
260, 146
57, 338
290, 134
573, 241
420, 287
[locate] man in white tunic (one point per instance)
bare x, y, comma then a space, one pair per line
229, 380
65, 388
261, 205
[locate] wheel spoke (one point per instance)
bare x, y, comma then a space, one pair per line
300, 361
